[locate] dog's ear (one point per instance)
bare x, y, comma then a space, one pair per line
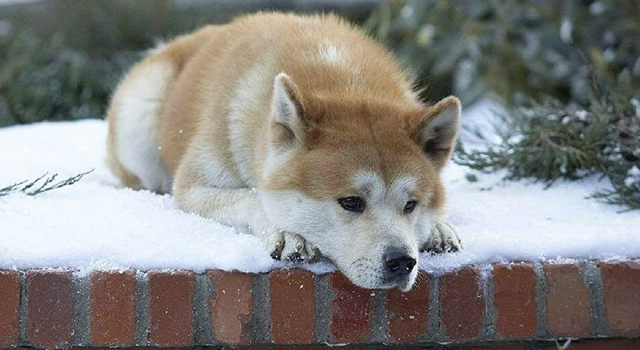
287, 112
437, 130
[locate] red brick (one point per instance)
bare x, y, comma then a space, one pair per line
231, 306
408, 313
602, 344
462, 303
113, 308
350, 311
171, 308
515, 300
621, 283
568, 301
292, 306
49, 309
9, 308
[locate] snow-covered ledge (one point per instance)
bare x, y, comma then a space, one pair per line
520, 304
172, 289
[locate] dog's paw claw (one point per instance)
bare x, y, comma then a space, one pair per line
292, 247
297, 249
295, 258
275, 244
443, 239
275, 255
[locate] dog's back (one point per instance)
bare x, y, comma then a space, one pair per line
219, 81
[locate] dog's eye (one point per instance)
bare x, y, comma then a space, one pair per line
354, 204
410, 206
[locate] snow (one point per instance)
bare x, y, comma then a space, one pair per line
566, 29
633, 176
96, 224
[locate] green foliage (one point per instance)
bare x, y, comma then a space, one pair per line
61, 59
554, 140
42, 184
44, 80
519, 49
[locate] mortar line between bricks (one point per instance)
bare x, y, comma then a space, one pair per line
379, 324
143, 300
212, 296
81, 309
490, 317
260, 324
323, 297
22, 322
541, 301
435, 330
202, 327
593, 280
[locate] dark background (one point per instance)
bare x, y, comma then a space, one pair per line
60, 59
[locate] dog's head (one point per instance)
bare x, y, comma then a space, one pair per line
358, 178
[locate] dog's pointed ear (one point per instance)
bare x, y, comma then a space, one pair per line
287, 113
437, 130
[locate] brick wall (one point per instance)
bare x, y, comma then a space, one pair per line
514, 303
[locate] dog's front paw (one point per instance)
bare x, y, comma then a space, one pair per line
291, 247
443, 239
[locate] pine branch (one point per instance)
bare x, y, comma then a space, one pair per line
5, 190
28, 188
555, 140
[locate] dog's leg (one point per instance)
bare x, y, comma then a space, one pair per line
238, 207
443, 238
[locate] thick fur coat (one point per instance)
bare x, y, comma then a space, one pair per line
299, 129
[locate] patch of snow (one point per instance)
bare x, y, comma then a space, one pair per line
633, 176
609, 55
96, 224
636, 103
582, 115
566, 29
426, 34
406, 11
597, 7
521, 221
484, 116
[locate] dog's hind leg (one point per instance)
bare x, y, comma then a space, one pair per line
133, 151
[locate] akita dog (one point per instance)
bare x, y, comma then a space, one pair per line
299, 129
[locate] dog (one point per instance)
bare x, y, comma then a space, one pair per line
301, 130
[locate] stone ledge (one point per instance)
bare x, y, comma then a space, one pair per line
514, 303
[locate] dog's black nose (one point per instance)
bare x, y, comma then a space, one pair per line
398, 262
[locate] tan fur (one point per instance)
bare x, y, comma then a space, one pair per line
178, 53
216, 132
